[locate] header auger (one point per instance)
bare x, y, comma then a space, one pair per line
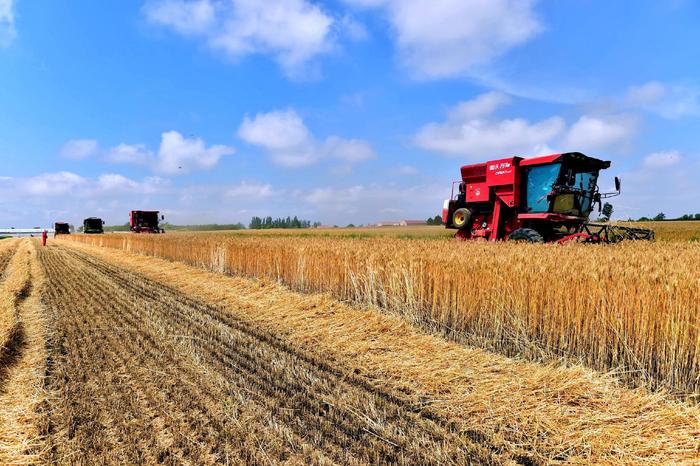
540, 199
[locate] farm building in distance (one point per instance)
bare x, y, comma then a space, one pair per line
399, 223
23, 232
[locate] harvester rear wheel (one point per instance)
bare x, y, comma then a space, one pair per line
461, 218
526, 235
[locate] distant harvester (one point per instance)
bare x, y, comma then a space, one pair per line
145, 221
93, 226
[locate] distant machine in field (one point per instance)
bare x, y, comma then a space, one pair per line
541, 199
61, 228
93, 226
145, 221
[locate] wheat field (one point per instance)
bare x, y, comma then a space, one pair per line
632, 308
117, 358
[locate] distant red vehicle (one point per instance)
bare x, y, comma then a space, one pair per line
145, 221
61, 228
540, 199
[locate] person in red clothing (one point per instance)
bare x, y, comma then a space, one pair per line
44, 235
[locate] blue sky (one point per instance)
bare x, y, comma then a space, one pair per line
338, 111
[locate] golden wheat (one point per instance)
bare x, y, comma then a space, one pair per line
665, 231
633, 308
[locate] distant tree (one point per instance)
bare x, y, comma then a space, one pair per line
257, 223
643, 219
437, 220
607, 211
350, 225
659, 217
430, 221
697, 216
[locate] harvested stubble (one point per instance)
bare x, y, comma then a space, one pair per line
555, 414
22, 360
149, 375
632, 308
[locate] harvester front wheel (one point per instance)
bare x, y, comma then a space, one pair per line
526, 235
461, 218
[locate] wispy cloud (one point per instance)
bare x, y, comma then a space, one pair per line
283, 134
446, 38
7, 22
177, 155
472, 130
292, 32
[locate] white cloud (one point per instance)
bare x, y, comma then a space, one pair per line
293, 32
407, 170
246, 190
129, 153
289, 142
445, 38
7, 22
51, 184
115, 182
468, 133
664, 182
600, 132
349, 150
662, 159
373, 202
471, 130
481, 106
669, 101
178, 154
276, 130
79, 149
185, 17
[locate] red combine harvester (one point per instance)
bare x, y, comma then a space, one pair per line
541, 199
145, 221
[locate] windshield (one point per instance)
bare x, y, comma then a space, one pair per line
583, 184
540, 180
147, 219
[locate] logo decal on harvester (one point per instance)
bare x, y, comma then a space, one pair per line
501, 167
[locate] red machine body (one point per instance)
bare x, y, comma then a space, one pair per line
543, 198
145, 221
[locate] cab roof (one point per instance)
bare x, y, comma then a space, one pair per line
580, 159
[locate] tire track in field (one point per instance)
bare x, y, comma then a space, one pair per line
146, 374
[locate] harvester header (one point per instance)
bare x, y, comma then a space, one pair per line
546, 198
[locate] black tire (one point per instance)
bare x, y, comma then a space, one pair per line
526, 235
461, 218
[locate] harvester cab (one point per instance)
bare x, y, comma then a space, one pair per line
61, 228
541, 199
145, 221
93, 226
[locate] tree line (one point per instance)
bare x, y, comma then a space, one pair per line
258, 223
662, 216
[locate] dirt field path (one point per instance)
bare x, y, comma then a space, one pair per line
144, 374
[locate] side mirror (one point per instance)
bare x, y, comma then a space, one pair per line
618, 184
162, 217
